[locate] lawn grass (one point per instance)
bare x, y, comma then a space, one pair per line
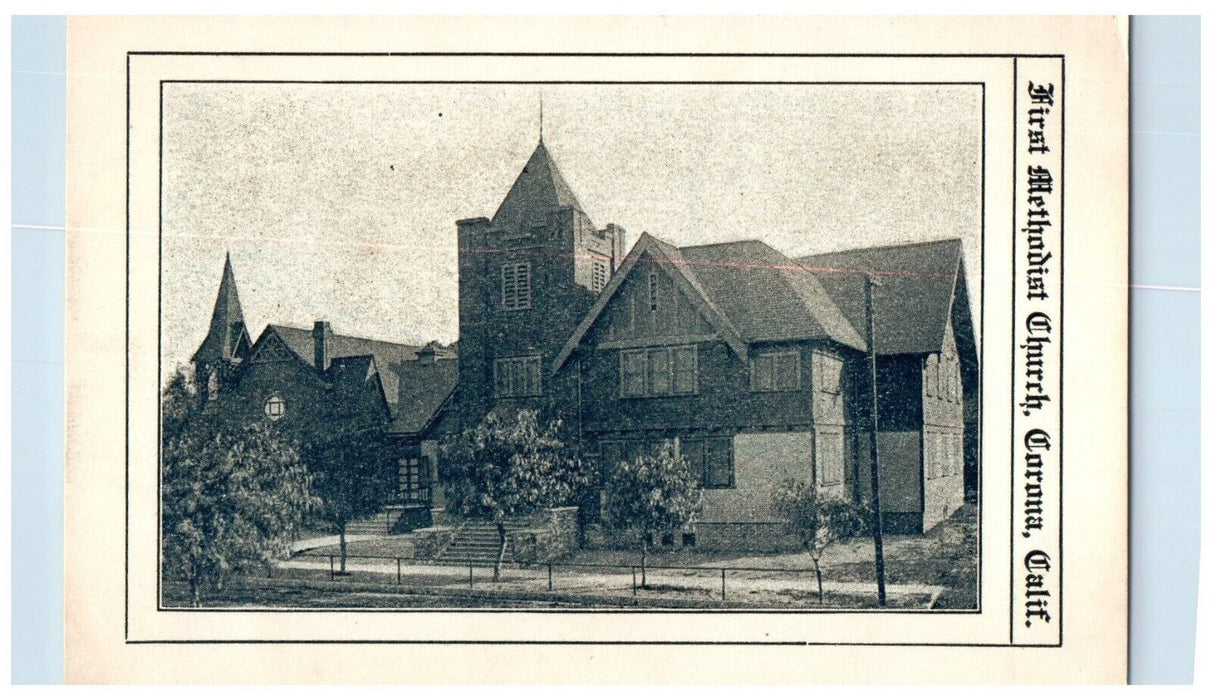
936, 570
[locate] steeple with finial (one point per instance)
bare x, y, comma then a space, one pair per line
227, 340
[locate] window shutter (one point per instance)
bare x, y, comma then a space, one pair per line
523, 274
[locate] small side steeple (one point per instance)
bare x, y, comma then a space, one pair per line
227, 340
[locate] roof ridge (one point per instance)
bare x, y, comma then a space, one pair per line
890, 246
343, 335
725, 243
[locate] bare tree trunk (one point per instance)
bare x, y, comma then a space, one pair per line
644, 561
496, 569
195, 592
344, 544
820, 586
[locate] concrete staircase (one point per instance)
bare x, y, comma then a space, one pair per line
478, 542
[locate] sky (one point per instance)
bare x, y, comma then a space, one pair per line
339, 202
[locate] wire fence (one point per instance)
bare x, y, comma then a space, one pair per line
714, 582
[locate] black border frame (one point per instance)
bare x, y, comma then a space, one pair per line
126, 601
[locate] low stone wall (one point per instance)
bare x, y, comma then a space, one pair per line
544, 536
428, 542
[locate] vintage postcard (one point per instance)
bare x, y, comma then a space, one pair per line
780, 346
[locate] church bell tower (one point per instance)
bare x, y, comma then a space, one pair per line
527, 276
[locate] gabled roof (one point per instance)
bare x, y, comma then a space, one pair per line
767, 295
917, 282
748, 292
424, 388
539, 189
385, 354
226, 320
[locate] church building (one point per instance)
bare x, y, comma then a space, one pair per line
753, 363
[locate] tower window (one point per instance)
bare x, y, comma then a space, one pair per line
515, 286
599, 276
275, 407
518, 376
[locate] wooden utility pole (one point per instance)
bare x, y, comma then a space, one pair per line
877, 527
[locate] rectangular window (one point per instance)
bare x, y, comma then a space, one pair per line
666, 371
685, 370
658, 371
776, 371
515, 286
634, 367
413, 483
598, 281
518, 376
652, 291
711, 459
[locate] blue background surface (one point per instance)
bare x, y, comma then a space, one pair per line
39, 87
1164, 345
1164, 383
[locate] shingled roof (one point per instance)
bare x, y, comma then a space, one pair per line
749, 291
917, 282
539, 189
766, 295
424, 387
385, 354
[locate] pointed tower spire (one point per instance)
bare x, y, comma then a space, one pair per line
539, 190
227, 338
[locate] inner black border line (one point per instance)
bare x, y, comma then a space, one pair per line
463, 610
1013, 326
205, 53
796, 83
126, 406
584, 642
1060, 534
577, 54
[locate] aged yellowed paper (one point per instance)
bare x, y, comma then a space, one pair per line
794, 350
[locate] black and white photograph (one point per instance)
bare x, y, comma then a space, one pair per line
519, 349
571, 346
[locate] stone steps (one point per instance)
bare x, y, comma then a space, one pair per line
479, 543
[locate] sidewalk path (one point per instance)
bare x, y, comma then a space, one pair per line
326, 541
685, 585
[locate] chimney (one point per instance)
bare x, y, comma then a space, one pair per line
425, 356
618, 244
320, 335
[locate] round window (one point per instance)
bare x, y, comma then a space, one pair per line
275, 407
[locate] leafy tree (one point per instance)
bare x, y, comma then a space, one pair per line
510, 465
353, 474
818, 522
652, 495
231, 496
